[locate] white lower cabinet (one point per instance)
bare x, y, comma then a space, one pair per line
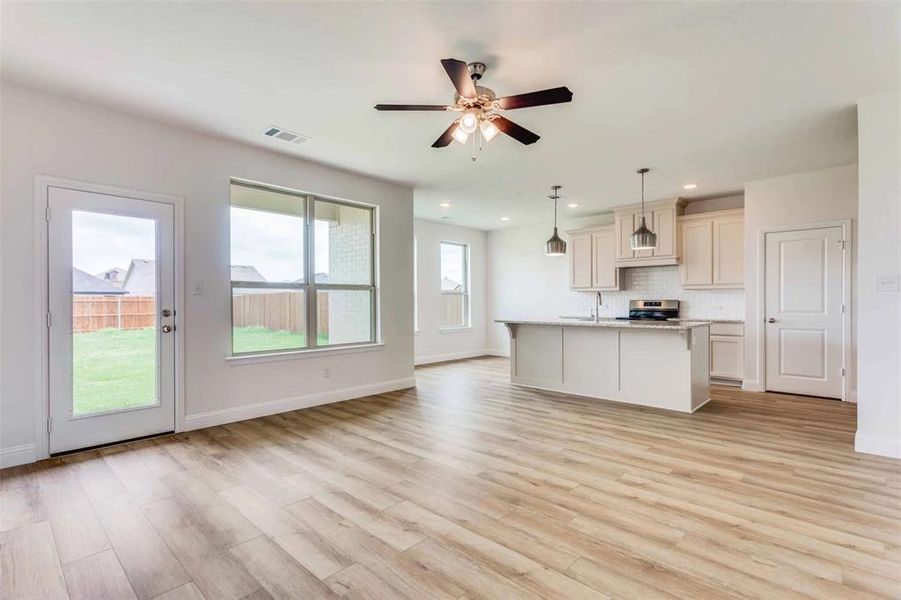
727, 352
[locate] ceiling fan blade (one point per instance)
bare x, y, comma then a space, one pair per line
459, 75
445, 137
517, 132
551, 96
441, 107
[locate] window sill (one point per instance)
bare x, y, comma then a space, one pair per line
455, 329
249, 359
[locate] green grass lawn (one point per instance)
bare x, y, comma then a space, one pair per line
115, 368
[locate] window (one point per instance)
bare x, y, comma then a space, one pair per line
454, 285
295, 286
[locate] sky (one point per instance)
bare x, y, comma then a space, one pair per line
452, 262
273, 243
270, 242
101, 241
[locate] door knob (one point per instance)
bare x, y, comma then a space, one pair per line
771, 320
168, 328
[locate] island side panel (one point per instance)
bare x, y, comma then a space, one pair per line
591, 361
538, 356
700, 366
655, 368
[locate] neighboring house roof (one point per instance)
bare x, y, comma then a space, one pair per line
116, 275
85, 283
140, 280
246, 273
449, 285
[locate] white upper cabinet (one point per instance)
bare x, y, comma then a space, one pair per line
604, 274
713, 249
697, 253
729, 251
580, 266
661, 217
592, 259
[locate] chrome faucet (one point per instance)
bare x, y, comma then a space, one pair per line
597, 308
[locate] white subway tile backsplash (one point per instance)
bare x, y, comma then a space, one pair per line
654, 283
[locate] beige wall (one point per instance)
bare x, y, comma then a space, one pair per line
431, 344
798, 199
51, 135
879, 258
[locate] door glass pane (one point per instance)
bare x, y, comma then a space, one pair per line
344, 316
343, 236
268, 319
114, 308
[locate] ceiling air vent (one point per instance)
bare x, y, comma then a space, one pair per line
285, 135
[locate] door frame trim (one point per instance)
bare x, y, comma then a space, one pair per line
42, 185
847, 283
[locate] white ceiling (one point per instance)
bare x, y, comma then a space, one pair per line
716, 93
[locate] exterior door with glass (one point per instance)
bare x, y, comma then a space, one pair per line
111, 319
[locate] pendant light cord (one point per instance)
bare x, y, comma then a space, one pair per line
642, 195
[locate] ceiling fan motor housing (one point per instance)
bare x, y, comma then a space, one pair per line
476, 70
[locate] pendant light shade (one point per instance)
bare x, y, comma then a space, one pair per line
555, 246
643, 238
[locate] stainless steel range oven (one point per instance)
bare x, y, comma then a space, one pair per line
652, 310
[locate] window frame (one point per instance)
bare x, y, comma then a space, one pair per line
308, 285
467, 320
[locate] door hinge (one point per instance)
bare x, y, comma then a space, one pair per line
49, 320
49, 424
843, 371
843, 308
47, 213
843, 243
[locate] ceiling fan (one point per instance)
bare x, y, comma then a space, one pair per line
480, 108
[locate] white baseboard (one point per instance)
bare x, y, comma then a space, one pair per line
852, 396
241, 413
17, 455
752, 385
498, 352
874, 444
437, 358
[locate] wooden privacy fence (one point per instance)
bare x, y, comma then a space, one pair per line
454, 309
280, 311
90, 313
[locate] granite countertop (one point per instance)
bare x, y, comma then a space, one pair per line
712, 320
673, 325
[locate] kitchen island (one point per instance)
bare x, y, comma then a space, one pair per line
663, 364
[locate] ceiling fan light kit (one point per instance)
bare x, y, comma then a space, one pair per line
481, 108
555, 246
643, 238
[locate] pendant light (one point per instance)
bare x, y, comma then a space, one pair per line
555, 246
643, 238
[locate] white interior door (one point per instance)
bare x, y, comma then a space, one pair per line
804, 321
111, 318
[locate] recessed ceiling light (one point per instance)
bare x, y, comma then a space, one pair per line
689, 186
444, 205
573, 204
505, 218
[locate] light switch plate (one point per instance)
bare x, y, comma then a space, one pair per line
888, 282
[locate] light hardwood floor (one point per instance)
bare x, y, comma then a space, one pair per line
468, 487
